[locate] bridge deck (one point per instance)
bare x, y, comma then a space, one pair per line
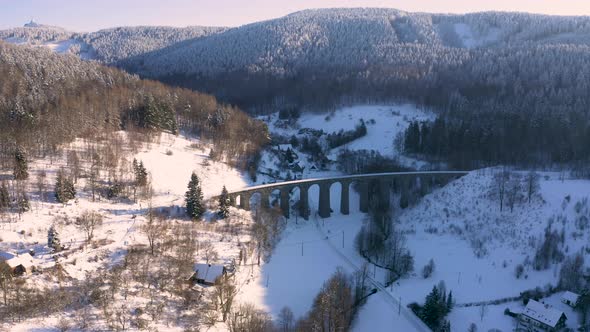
345, 177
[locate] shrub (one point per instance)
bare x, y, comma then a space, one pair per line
519, 270
428, 269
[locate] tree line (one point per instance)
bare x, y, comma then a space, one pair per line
486, 140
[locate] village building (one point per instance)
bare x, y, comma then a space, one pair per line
285, 147
541, 317
18, 264
570, 299
207, 274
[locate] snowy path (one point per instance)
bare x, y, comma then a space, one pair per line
410, 318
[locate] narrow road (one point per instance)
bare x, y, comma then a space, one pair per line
405, 312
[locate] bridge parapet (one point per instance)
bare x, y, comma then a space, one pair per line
403, 182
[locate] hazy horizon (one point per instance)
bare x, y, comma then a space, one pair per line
90, 16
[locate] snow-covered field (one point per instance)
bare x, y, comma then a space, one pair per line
470, 39
384, 123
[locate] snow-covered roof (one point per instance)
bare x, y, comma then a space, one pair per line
570, 296
298, 164
13, 260
543, 313
208, 272
285, 147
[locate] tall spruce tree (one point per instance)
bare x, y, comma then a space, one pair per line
21, 166
224, 203
64, 188
431, 312
450, 302
140, 173
194, 198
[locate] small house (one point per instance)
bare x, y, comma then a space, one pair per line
19, 264
570, 299
537, 317
285, 147
207, 274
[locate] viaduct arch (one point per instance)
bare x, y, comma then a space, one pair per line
378, 182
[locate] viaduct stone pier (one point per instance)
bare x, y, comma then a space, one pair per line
378, 185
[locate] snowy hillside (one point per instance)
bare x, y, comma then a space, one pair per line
477, 248
169, 161
351, 37
116, 44
108, 45
440, 227
355, 38
383, 125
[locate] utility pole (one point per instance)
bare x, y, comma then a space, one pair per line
301, 248
399, 307
342, 239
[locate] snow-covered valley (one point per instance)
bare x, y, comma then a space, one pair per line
475, 247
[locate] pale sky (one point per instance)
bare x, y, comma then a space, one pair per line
90, 15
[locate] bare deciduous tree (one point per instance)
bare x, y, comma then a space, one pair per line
74, 164
6, 279
286, 320
513, 190
246, 318
42, 184
499, 186
88, 222
209, 252
532, 184
154, 228
223, 295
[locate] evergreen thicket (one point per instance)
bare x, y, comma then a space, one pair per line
140, 173
64, 188
470, 141
437, 306
53, 239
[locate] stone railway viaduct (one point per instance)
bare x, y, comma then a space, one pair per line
367, 185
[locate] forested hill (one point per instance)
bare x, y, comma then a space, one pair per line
509, 87
376, 53
108, 45
47, 99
